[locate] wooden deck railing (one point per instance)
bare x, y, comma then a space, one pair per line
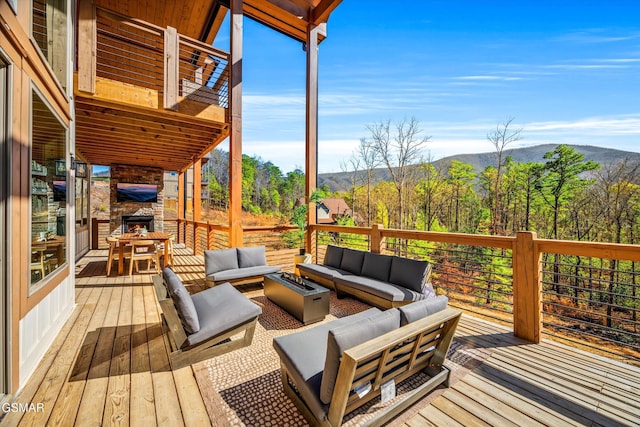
149, 66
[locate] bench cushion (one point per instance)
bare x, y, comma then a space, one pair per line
419, 309
303, 354
333, 256
385, 290
241, 273
352, 260
376, 266
409, 273
252, 256
220, 260
220, 309
344, 337
182, 301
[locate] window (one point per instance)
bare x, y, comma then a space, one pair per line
49, 29
48, 190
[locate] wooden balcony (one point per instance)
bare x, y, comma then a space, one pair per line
145, 94
109, 366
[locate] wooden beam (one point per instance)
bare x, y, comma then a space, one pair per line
197, 190
235, 140
87, 36
171, 59
311, 145
320, 13
181, 205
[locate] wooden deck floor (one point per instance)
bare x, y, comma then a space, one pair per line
108, 366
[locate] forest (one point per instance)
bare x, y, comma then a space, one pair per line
564, 197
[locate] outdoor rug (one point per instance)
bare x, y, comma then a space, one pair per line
243, 387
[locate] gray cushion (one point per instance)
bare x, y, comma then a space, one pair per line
410, 273
303, 353
321, 270
182, 301
333, 256
385, 290
241, 273
220, 309
376, 266
419, 309
345, 337
352, 260
252, 256
220, 260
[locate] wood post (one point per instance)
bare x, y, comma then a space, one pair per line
376, 238
197, 201
94, 233
171, 55
527, 306
235, 137
181, 238
311, 146
87, 36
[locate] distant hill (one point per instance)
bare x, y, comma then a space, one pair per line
341, 181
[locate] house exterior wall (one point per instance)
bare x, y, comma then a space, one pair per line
35, 313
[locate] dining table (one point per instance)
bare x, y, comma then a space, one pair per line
128, 238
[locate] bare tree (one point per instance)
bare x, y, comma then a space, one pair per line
503, 135
352, 167
369, 159
398, 152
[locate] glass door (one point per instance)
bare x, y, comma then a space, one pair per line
4, 178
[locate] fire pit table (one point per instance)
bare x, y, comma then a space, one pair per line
306, 301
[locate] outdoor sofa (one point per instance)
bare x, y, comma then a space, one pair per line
200, 326
237, 265
336, 367
381, 280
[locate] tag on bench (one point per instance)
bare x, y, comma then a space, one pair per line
387, 391
362, 390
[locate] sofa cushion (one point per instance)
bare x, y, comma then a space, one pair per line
352, 260
220, 309
182, 301
303, 354
384, 290
252, 256
241, 273
376, 266
344, 337
220, 260
333, 256
419, 309
410, 273
324, 271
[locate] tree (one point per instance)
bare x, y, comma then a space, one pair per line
369, 159
503, 135
460, 177
398, 152
430, 189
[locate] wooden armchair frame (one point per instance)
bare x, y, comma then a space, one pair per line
180, 352
397, 355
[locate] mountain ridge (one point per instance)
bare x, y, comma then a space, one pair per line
341, 181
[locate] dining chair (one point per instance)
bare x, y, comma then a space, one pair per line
144, 250
114, 254
38, 260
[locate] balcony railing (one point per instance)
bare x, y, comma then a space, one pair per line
585, 293
127, 60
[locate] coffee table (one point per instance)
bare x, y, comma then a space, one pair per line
306, 301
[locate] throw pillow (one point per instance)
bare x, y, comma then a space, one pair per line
253, 256
409, 273
220, 260
419, 309
333, 256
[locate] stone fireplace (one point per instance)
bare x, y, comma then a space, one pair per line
131, 213
129, 222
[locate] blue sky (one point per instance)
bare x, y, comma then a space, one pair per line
566, 71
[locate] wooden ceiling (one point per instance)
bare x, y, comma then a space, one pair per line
201, 19
111, 135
